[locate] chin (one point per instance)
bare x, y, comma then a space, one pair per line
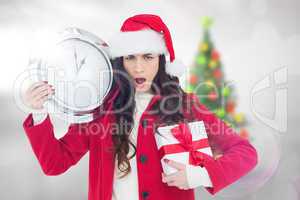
142, 89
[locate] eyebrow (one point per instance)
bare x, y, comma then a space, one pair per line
146, 54
127, 56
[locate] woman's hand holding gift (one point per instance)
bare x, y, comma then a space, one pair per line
187, 176
177, 179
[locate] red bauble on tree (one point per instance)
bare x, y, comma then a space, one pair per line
193, 79
217, 73
230, 106
212, 96
215, 55
244, 133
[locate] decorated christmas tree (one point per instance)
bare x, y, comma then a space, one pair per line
207, 81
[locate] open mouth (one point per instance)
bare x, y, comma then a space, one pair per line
139, 80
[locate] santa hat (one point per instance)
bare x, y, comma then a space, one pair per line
146, 33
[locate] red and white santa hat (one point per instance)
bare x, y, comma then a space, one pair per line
146, 33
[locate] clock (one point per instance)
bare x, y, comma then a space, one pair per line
78, 66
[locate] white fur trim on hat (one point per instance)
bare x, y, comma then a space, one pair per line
175, 68
135, 42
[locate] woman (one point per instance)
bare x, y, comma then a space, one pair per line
124, 161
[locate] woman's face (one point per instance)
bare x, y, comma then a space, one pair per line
142, 69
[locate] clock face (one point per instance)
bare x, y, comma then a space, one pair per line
80, 74
76, 63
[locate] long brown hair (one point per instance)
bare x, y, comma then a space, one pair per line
164, 84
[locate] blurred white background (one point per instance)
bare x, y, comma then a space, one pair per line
255, 38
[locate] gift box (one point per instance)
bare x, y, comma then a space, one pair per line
184, 142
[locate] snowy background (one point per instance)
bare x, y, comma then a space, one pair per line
259, 42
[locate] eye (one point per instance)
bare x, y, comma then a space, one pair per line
130, 57
148, 57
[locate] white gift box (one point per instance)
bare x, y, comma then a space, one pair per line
198, 132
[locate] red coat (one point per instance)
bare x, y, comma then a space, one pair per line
58, 155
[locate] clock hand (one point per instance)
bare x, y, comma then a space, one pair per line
82, 62
75, 56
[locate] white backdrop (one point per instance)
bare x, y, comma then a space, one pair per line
255, 39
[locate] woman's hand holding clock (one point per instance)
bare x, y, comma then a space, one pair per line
36, 95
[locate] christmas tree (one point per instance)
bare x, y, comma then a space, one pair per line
207, 81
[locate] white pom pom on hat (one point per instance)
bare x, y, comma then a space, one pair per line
146, 33
175, 68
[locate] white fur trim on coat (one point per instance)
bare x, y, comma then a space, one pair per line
134, 42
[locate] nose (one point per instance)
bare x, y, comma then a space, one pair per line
139, 65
